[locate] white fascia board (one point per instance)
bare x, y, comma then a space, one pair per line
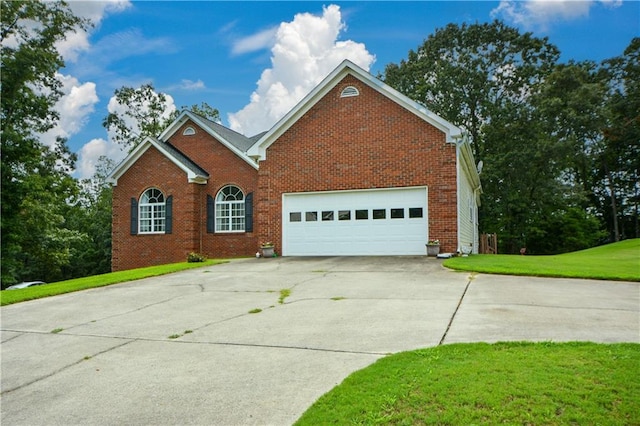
141, 149
467, 161
128, 161
187, 115
258, 150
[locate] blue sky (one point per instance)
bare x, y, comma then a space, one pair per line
218, 52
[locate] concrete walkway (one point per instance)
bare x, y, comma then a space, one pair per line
184, 349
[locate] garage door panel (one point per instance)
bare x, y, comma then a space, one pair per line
306, 233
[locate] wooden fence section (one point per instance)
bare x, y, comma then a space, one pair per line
489, 244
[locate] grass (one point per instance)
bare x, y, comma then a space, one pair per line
284, 293
512, 383
14, 296
617, 261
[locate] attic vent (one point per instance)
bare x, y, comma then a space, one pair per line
189, 131
349, 91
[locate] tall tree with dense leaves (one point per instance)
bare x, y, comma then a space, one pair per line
469, 73
91, 215
35, 181
483, 77
618, 163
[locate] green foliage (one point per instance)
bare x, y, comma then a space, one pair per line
8, 297
502, 383
616, 261
618, 162
559, 142
140, 113
284, 293
203, 110
469, 73
35, 183
196, 257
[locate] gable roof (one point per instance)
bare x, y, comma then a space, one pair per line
258, 150
236, 142
195, 173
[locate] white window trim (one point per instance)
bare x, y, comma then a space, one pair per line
153, 207
349, 92
189, 131
230, 205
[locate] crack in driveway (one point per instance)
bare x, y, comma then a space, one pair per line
61, 369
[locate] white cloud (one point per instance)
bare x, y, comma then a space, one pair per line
74, 107
305, 51
542, 13
261, 40
78, 41
186, 84
91, 152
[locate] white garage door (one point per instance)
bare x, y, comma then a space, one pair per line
367, 222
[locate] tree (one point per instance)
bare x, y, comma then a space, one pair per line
34, 177
469, 73
618, 162
138, 113
91, 215
485, 78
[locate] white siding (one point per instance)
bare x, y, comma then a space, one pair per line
467, 212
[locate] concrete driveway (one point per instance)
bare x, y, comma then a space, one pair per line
184, 349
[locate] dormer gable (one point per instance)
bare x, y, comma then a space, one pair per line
194, 173
234, 141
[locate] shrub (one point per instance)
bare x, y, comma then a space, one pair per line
196, 257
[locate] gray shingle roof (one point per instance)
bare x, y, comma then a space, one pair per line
238, 140
189, 163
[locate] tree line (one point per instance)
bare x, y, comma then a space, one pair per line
559, 141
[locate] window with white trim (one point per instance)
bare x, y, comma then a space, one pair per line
349, 92
230, 209
152, 212
189, 131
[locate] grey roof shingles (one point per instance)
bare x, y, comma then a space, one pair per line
238, 140
189, 163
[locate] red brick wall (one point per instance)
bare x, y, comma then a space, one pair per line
189, 204
224, 168
133, 251
361, 142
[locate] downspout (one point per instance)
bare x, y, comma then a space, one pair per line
200, 201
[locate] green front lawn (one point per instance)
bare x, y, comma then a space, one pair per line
8, 297
617, 261
504, 383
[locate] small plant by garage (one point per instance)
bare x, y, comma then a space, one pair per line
194, 257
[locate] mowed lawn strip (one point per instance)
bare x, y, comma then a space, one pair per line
14, 296
512, 383
617, 261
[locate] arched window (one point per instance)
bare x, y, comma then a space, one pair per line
152, 212
189, 131
349, 92
230, 210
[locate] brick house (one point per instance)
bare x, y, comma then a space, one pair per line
355, 168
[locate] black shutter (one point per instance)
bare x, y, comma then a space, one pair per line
134, 217
168, 215
211, 220
248, 213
